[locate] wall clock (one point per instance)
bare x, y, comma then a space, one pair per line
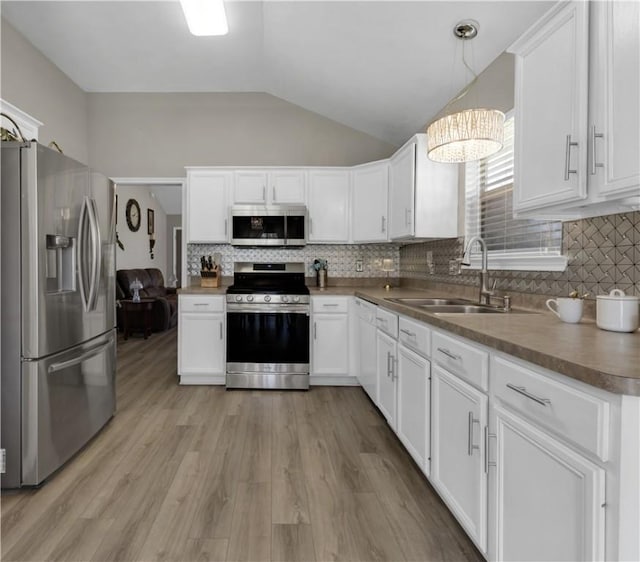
133, 215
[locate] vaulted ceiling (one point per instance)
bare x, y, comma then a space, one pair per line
382, 67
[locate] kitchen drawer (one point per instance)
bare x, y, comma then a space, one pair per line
415, 336
387, 322
327, 305
462, 359
200, 303
569, 412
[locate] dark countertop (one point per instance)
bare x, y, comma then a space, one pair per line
607, 360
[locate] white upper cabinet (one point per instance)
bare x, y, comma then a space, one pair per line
273, 187
328, 206
206, 205
577, 116
614, 165
423, 195
370, 202
402, 178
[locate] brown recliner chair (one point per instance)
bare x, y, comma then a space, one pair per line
165, 308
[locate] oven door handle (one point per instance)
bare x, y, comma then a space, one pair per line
268, 309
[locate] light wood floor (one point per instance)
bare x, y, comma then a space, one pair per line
200, 473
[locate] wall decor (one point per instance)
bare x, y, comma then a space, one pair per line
150, 222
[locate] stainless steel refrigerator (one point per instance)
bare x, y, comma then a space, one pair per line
58, 309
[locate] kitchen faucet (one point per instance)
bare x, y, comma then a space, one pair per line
485, 292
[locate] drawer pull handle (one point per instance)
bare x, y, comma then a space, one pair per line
449, 354
487, 436
330, 304
201, 304
470, 445
410, 334
522, 390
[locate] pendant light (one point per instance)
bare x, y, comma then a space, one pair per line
470, 134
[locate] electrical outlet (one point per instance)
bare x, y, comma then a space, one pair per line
359, 265
429, 257
454, 267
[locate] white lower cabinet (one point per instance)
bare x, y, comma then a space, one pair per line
458, 471
547, 501
414, 405
201, 339
533, 464
386, 347
366, 344
329, 338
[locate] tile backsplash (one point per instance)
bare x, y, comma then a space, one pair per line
603, 253
342, 258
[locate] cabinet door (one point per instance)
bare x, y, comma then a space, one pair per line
201, 344
458, 422
207, 206
547, 502
250, 186
330, 351
387, 369
414, 403
328, 206
614, 165
367, 374
402, 177
370, 195
551, 109
287, 187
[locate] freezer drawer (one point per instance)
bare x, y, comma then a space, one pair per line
66, 399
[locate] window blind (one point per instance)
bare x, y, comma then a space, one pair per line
489, 207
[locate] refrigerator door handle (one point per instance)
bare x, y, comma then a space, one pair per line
81, 249
96, 253
88, 354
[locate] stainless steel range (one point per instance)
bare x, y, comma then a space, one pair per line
268, 327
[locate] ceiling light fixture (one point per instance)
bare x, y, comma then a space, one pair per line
469, 134
205, 17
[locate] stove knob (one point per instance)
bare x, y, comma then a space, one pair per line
284, 298
267, 298
250, 298
296, 299
238, 298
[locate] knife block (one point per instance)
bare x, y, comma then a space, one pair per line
210, 279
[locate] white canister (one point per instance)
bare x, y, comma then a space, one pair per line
617, 312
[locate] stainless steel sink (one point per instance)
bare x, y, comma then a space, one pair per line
454, 306
463, 309
420, 302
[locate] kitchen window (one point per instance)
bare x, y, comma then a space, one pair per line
513, 244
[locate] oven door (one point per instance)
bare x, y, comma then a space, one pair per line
267, 340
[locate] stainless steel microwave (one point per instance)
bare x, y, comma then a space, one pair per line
280, 225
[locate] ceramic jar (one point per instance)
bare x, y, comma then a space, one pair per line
617, 312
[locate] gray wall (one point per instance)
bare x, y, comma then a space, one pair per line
31, 82
136, 244
157, 134
172, 222
494, 88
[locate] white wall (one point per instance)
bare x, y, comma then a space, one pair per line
136, 244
